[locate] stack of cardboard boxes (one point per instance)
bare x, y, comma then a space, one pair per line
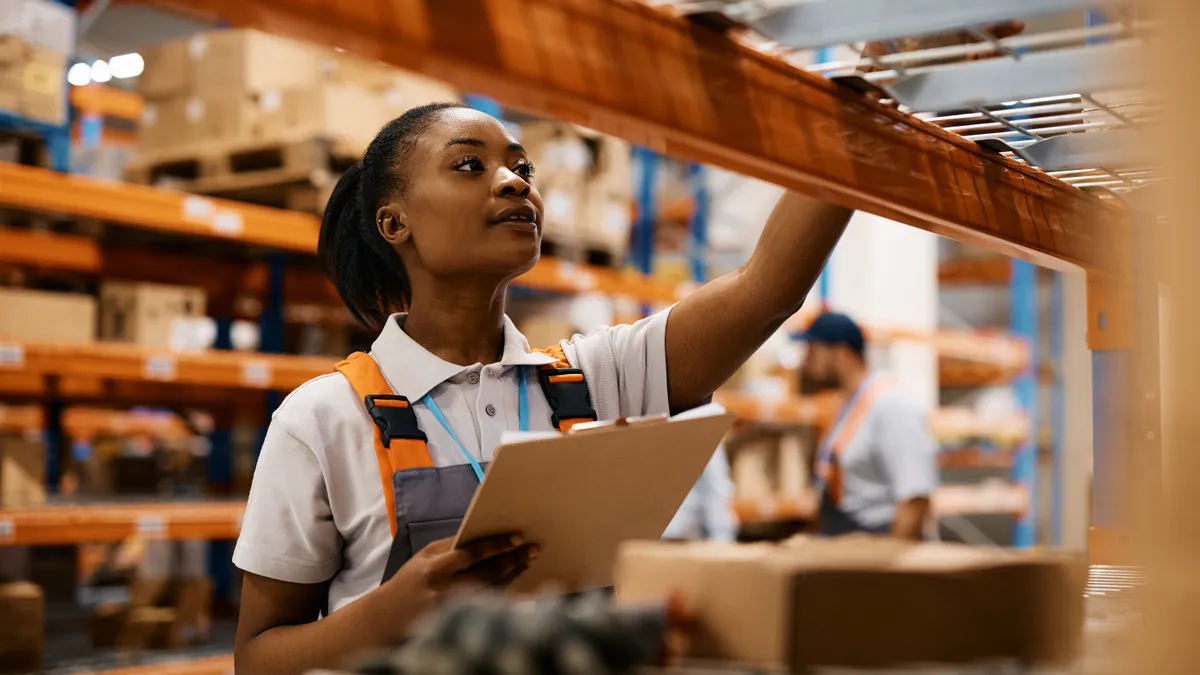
22, 471
586, 184
230, 89
36, 39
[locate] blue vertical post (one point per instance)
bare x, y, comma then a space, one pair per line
1057, 410
1024, 324
645, 171
698, 224
484, 104
824, 55
55, 439
271, 327
219, 472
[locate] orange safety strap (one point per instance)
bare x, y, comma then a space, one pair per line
831, 468
556, 352
408, 453
403, 453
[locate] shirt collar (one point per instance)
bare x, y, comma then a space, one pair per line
413, 371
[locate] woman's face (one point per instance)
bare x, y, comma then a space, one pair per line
470, 205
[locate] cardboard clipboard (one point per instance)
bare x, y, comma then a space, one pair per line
579, 495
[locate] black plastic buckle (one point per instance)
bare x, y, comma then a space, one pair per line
394, 422
568, 400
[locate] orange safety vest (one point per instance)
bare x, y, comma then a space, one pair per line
401, 445
829, 467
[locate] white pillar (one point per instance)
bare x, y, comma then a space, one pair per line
1077, 415
884, 274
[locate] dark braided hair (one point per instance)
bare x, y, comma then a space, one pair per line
368, 274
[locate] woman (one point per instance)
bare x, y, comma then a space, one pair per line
439, 217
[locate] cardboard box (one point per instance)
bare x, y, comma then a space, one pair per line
342, 68
169, 71
564, 204
183, 122
23, 618
22, 472
606, 220
44, 86
245, 60
409, 90
41, 23
557, 151
33, 80
863, 602
144, 314
46, 316
347, 113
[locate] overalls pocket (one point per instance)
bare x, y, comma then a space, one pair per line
430, 505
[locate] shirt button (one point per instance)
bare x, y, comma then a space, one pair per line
490, 410
473, 378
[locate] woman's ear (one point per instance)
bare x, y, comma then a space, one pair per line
389, 220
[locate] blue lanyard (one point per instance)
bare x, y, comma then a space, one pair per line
522, 414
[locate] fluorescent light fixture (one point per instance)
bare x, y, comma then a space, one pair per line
126, 65
79, 75
101, 72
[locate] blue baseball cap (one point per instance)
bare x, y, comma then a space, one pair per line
832, 328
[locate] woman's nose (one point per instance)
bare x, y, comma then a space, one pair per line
509, 183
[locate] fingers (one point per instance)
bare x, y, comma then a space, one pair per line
502, 569
452, 561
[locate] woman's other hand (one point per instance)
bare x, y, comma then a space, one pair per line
439, 568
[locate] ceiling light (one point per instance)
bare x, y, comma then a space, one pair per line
79, 75
101, 72
126, 65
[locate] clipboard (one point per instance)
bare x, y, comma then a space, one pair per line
579, 495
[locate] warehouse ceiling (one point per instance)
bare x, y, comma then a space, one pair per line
108, 29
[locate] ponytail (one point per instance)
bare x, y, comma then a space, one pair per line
367, 271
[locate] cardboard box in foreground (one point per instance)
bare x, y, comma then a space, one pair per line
863, 602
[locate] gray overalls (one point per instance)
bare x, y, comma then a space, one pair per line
425, 502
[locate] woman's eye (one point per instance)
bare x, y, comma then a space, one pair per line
524, 169
469, 164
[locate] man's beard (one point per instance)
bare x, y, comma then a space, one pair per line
816, 385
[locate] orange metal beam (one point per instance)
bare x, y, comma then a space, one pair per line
626, 69
80, 422
82, 524
97, 99
155, 209
49, 250
131, 363
947, 424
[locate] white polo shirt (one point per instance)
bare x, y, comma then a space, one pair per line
316, 508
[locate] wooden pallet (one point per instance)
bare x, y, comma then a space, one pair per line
293, 174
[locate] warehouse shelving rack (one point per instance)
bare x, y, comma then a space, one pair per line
666, 83
729, 100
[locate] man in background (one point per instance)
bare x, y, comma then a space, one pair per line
707, 513
876, 466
